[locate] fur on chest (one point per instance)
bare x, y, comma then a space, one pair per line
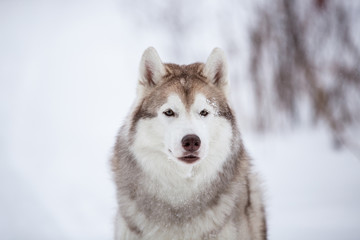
203, 213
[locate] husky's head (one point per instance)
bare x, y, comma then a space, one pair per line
182, 115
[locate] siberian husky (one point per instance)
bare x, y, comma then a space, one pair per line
179, 164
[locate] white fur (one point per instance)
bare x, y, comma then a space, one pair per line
157, 146
155, 158
194, 229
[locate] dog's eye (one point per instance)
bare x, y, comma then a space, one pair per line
204, 113
169, 113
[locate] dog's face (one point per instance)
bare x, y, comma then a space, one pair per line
182, 112
187, 130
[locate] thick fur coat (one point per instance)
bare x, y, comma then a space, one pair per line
179, 164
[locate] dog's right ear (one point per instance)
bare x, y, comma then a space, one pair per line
151, 68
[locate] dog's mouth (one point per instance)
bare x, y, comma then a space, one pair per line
189, 159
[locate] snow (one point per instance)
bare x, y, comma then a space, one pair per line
312, 191
68, 73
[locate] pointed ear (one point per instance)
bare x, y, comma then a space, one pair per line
151, 68
216, 68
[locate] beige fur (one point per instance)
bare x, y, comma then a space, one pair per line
160, 197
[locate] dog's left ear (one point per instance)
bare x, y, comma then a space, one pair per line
216, 69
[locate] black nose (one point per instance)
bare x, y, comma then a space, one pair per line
191, 143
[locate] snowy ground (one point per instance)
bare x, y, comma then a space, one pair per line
313, 192
67, 78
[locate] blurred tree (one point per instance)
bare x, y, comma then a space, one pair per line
306, 55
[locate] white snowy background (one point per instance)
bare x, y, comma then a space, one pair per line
68, 72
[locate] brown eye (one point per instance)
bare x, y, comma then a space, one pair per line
204, 113
169, 113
